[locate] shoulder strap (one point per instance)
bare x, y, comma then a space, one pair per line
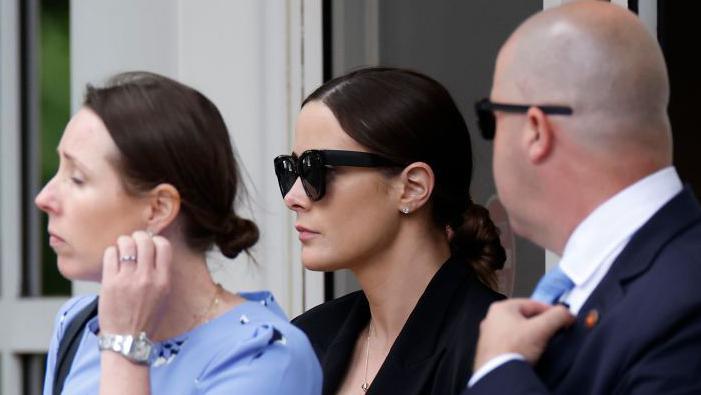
69, 344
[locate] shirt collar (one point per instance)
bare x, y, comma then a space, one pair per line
613, 223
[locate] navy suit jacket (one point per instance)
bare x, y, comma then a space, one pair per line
647, 339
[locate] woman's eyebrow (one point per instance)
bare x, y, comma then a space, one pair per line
72, 159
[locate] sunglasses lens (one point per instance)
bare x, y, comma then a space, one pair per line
487, 123
485, 118
286, 173
313, 174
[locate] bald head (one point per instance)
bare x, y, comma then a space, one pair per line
599, 59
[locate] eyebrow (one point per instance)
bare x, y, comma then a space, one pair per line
73, 160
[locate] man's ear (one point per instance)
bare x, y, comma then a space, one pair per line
164, 207
539, 137
417, 181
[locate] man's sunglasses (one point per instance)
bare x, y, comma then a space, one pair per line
487, 122
311, 167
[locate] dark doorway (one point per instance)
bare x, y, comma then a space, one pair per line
677, 31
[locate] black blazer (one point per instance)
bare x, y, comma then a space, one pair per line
433, 353
647, 339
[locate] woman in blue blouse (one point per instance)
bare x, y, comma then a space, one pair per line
145, 187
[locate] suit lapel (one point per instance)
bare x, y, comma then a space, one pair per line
412, 359
637, 256
563, 348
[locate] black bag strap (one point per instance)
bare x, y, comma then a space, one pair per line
69, 344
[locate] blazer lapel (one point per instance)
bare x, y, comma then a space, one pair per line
638, 255
340, 350
412, 359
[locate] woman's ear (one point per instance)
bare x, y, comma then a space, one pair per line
164, 206
417, 180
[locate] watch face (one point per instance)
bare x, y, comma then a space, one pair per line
141, 351
140, 348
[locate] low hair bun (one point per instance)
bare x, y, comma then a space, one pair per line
477, 240
237, 234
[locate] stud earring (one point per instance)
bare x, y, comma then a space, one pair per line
405, 210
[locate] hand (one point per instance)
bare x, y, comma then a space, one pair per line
133, 293
520, 326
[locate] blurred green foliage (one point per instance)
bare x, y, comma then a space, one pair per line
54, 72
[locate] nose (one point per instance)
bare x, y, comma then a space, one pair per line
296, 199
47, 200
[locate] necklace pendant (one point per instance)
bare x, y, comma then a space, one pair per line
365, 386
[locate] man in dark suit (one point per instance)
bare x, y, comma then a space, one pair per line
583, 165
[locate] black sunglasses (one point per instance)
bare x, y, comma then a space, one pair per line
487, 122
311, 167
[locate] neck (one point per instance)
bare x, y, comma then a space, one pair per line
394, 281
571, 203
192, 292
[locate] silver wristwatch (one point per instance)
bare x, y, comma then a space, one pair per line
138, 349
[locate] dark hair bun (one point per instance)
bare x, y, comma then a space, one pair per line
477, 239
238, 234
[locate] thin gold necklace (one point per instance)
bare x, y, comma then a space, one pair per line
365, 386
202, 318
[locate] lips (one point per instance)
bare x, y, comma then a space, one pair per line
55, 240
306, 234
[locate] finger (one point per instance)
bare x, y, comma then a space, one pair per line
552, 320
508, 304
126, 248
145, 250
110, 263
530, 308
522, 306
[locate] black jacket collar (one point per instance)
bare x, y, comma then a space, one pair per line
418, 343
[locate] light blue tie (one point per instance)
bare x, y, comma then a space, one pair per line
552, 286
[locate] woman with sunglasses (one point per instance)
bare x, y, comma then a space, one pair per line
379, 179
145, 187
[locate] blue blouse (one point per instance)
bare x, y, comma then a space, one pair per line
251, 349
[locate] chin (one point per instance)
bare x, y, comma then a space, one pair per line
521, 226
517, 228
319, 262
317, 266
77, 271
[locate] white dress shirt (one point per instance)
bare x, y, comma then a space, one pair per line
599, 239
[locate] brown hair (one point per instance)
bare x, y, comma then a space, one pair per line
409, 117
167, 132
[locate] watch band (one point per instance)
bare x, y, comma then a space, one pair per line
136, 348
